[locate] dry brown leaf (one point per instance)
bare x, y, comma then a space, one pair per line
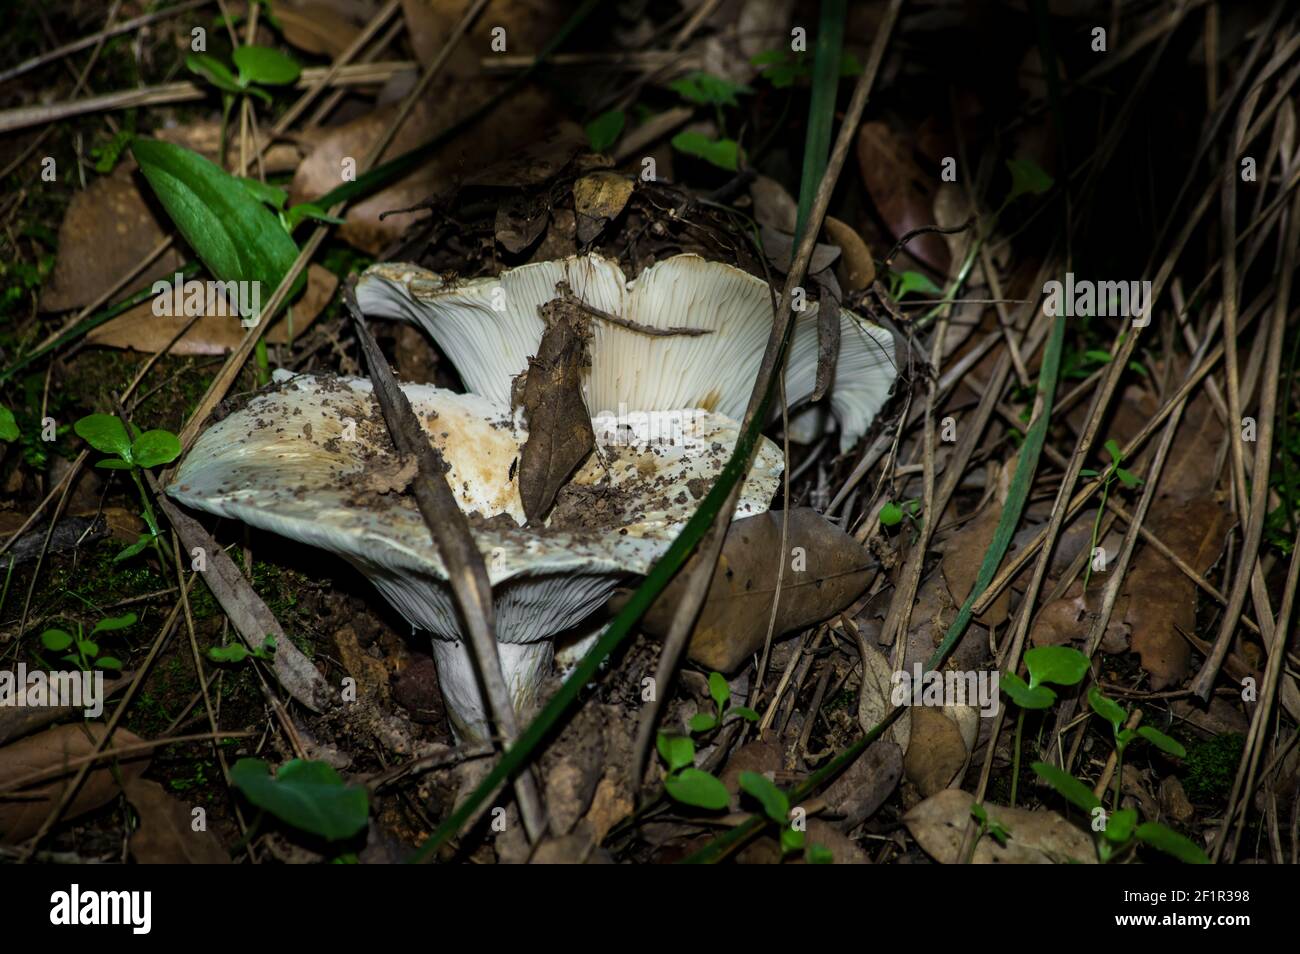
139, 329
598, 199
874, 698
827, 570
901, 191
559, 426
937, 748
19, 820
773, 205
520, 220
106, 232
315, 27
1034, 837
761, 755
166, 835
1161, 598
857, 269
862, 788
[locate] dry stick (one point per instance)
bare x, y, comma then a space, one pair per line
70, 792
361, 74
1243, 783
1248, 565
711, 546
466, 571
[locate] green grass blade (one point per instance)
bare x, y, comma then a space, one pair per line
821, 108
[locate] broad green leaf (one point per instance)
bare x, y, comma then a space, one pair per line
774, 801
706, 89
719, 690
56, 640
273, 196
1120, 825
155, 447
1107, 708
1162, 742
113, 463
109, 662
745, 712
818, 854
310, 796
917, 282
722, 153
1171, 843
8, 426
1128, 478
88, 647
1027, 178
1060, 665
791, 840
690, 786
214, 71
234, 653
115, 623
891, 514
1113, 449
105, 433
262, 64
678, 751
1038, 697
604, 130
703, 722
1069, 787
237, 237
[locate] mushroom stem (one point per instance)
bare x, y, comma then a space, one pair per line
525, 666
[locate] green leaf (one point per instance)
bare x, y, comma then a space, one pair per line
236, 236
127, 552
604, 130
8, 426
214, 71
113, 623
745, 712
1056, 664
1027, 178
774, 801
88, 647
105, 433
722, 153
818, 854
308, 210
273, 196
678, 751
112, 463
234, 653
891, 514
1171, 843
917, 282
1162, 742
1101, 357
1087, 472
56, 640
719, 690
109, 662
690, 786
705, 89
1107, 708
791, 841
262, 64
702, 722
1113, 449
1069, 787
1127, 478
155, 447
310, 796
1038, 697
1120, 825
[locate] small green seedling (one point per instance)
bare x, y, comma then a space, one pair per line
86, 654
783, 69
134, 454
1059, 665
276, 197
905, 283
1108, 477
704, 89
1117, 715
254, 68
238, 652
703, 722
685, 783
988, 826
892, 514
776, 806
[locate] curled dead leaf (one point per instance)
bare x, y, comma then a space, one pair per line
1033, 837
598, 199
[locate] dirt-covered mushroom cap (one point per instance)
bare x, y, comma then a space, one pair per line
489, 327
312, 460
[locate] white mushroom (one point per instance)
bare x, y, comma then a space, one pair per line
488, 328
312, 460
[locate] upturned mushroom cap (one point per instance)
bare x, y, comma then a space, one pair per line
312, 460
488, 328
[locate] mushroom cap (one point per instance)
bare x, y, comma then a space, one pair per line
312, 460
488, 328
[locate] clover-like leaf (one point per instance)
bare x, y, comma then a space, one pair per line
1056, 664
1037, 697
155, 447
310, 796
723, 153
105, 433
